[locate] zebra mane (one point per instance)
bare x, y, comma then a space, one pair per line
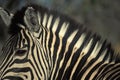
74, 25
18, 18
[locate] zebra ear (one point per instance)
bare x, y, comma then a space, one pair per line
31, 19
6, 16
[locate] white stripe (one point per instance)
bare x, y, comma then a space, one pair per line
80, 41
49, 21
69, 40
30, 57
39, 18
54, 36
91, 67
75, 48
44, 20
58, 52
62, 32
93, 54
63, 29
55, 25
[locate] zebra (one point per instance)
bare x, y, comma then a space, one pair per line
48, 45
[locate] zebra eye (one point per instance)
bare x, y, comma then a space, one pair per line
20, 52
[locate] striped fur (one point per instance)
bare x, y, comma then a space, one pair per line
61, 49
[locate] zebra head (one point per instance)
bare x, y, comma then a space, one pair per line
23, 50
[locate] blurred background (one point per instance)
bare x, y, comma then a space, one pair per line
100, 16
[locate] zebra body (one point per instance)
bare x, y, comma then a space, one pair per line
46, 45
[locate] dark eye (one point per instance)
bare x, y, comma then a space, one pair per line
20, 52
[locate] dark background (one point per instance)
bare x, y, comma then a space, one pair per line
101, 16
